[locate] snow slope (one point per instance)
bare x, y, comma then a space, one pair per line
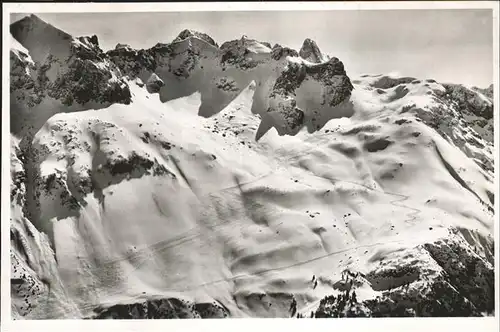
276, 192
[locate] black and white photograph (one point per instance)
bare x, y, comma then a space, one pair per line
253, 162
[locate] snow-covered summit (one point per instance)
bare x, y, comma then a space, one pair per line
185, 34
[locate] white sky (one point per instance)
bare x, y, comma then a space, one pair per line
447, 45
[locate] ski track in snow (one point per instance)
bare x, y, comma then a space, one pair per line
186, 237
144, 254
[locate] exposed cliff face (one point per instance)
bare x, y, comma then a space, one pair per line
311, 52
66, 73
163, 309
36, 286
471, 102
125, 203
448, 278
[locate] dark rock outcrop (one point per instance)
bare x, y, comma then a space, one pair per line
162, 309
469, 101
386, 82
238, 54
72, 71
460, 284
280, 52
154, 84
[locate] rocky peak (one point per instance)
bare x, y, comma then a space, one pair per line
154, 83
132, 62
185, 34
267, 44
470, 101
488, 92
69, 70
87, 74
311, 52
30, 23
236, 52
89, 41
330, 74
41, 38
123, 47
86, 48
280, 52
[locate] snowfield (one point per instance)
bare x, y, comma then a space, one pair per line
246, 192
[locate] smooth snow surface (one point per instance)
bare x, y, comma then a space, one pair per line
232, 217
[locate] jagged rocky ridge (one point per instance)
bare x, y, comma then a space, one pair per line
451, 276
80, 73
193, 62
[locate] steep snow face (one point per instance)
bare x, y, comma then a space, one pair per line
295, 192
37, 289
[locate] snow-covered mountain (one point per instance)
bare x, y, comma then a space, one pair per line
242, 180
